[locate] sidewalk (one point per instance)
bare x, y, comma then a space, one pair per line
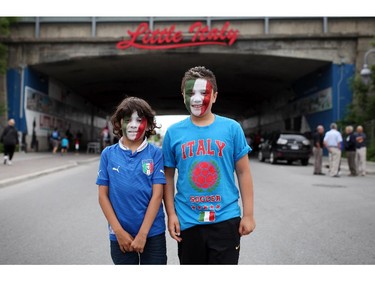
344, 168
34, 164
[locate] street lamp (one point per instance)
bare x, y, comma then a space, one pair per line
366, 71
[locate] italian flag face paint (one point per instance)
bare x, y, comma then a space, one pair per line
197, 96
134, 127
206, 216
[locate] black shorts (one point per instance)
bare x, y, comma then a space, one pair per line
217, 243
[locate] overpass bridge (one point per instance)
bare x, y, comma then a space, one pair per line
272, 73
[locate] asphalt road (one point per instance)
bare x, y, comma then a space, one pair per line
302, 219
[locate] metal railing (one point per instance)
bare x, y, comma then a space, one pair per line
152, 20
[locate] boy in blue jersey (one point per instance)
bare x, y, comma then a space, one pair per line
204, 216
131, 181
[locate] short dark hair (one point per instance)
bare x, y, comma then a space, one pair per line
126, 108
199, 72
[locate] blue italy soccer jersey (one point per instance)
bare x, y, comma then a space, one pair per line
130, 177
205, 158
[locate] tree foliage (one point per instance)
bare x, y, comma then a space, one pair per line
5, 23
362, 109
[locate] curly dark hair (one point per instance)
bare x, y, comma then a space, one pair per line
126, 108
199, 72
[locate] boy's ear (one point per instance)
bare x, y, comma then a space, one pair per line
214, 96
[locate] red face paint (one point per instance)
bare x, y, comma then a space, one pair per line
141, 129
134, 127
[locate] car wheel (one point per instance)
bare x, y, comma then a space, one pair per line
304, 162
272, 158
260, 156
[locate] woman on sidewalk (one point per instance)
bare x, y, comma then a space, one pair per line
9, 138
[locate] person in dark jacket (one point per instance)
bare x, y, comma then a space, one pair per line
9, 138
350, 149
318, 138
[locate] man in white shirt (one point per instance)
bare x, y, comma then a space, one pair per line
332, 141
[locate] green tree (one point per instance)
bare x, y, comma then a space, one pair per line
5, 23
362, 109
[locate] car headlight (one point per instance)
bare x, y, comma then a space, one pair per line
306, 142
282, 141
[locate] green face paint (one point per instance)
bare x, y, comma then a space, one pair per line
188, 92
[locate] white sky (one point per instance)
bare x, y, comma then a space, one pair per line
265, 8
166, 120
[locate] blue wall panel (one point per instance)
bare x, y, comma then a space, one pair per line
338, 78
13, 79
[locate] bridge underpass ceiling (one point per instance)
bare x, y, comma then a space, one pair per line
244, 81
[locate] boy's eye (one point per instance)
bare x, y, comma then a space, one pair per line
203, 93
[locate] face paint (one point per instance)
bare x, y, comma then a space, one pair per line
134, 127
197, 96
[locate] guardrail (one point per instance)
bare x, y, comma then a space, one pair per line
152, 20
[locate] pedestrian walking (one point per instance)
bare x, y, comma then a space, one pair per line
318, 138
64, 145
350, 149
9, 139
205, 217
361, 151
55, 139
131, 181
106, 139
332, 141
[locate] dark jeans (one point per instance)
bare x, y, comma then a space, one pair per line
155, 252
351, 162
217, 243
9, 150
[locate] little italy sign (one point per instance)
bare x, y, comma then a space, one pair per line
170, 38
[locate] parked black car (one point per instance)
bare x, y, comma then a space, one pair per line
287, 146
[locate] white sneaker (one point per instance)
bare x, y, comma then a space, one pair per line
5, 159
9, 162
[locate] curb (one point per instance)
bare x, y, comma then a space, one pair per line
8, 182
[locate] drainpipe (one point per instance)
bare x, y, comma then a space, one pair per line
22, 89
93, 27
37, 27
266, 25
339, 89
325, 25
151, 23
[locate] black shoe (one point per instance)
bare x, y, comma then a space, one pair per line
322, 174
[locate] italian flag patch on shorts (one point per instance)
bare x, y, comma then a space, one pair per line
206, 216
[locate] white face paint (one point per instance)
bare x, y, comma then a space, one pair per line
134, 127
198, 104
